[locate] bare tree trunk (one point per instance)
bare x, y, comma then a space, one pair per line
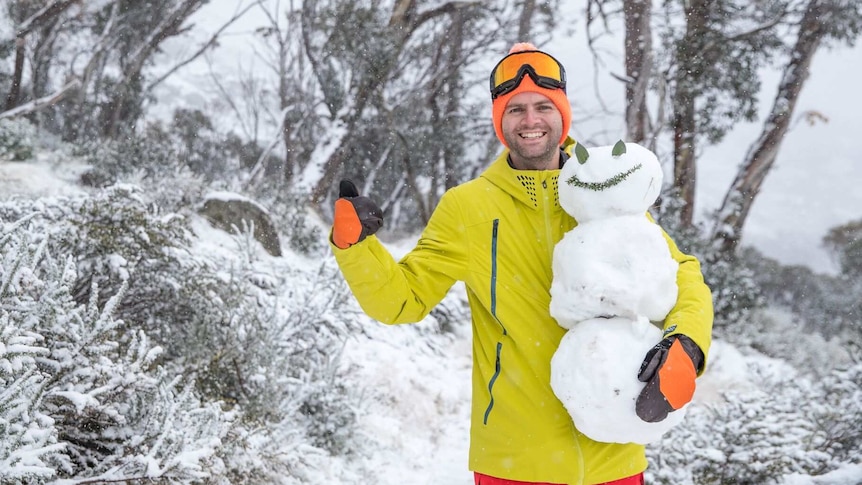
688, 75
42, 58
15, 89
638, 52
454, 94
402, 13
44, 15
762, 154
525, 22
412, 183
91, 76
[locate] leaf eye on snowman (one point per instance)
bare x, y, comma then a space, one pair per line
582, 154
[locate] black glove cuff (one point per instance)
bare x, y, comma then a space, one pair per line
692, 350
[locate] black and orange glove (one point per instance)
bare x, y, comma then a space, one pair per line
356, 217
669, 370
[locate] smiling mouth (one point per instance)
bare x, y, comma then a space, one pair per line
615, 180
532, 135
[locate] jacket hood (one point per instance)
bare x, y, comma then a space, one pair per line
522, 184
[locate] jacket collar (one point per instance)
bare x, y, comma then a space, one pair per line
524, 185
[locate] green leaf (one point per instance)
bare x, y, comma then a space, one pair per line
581, 153
619, 148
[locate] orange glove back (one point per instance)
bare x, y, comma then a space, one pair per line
669, 369
355, 217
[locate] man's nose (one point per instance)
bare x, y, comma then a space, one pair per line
530, 115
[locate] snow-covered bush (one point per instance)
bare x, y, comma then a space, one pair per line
277, 353
118, 239
779, 334
260, 343
789, 426
844, 242
188, 147
826, 304
29, 449
17, 137
148, 161
735, 293
290, 213
81, 394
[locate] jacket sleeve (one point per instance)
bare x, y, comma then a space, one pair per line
693, 313
406, 291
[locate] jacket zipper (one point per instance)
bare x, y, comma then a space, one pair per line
497, 365
549, 233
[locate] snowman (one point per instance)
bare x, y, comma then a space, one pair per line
613, 276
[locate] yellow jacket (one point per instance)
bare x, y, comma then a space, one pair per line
497, 233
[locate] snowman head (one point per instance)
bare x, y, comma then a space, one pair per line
609, 181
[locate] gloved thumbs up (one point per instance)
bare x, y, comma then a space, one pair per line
356, 217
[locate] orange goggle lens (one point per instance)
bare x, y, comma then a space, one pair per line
545, 71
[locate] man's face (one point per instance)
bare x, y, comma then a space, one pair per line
532, 127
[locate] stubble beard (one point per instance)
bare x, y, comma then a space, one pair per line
532, 158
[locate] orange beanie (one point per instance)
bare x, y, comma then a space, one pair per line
557, 96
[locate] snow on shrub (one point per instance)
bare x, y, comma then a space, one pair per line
788, 427
17, 138
81, 394
258, 344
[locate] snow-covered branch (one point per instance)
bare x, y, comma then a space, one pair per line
204, 47
43, 102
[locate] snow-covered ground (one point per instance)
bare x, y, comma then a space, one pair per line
413, 381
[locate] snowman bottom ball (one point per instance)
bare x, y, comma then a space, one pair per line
594, 374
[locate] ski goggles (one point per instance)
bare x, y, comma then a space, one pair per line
542, 68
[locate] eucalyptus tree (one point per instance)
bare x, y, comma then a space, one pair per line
822, 23
383, 93
86, 67
700, 60
367, 59
712, 64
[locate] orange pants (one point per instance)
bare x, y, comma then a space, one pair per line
487, 480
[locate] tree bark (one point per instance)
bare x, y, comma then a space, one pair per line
525, 21
688, 74
454, 93
17, 75
638, 61
762, 154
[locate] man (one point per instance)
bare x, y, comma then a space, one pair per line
497, 233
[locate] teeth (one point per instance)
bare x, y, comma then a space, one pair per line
531, 135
